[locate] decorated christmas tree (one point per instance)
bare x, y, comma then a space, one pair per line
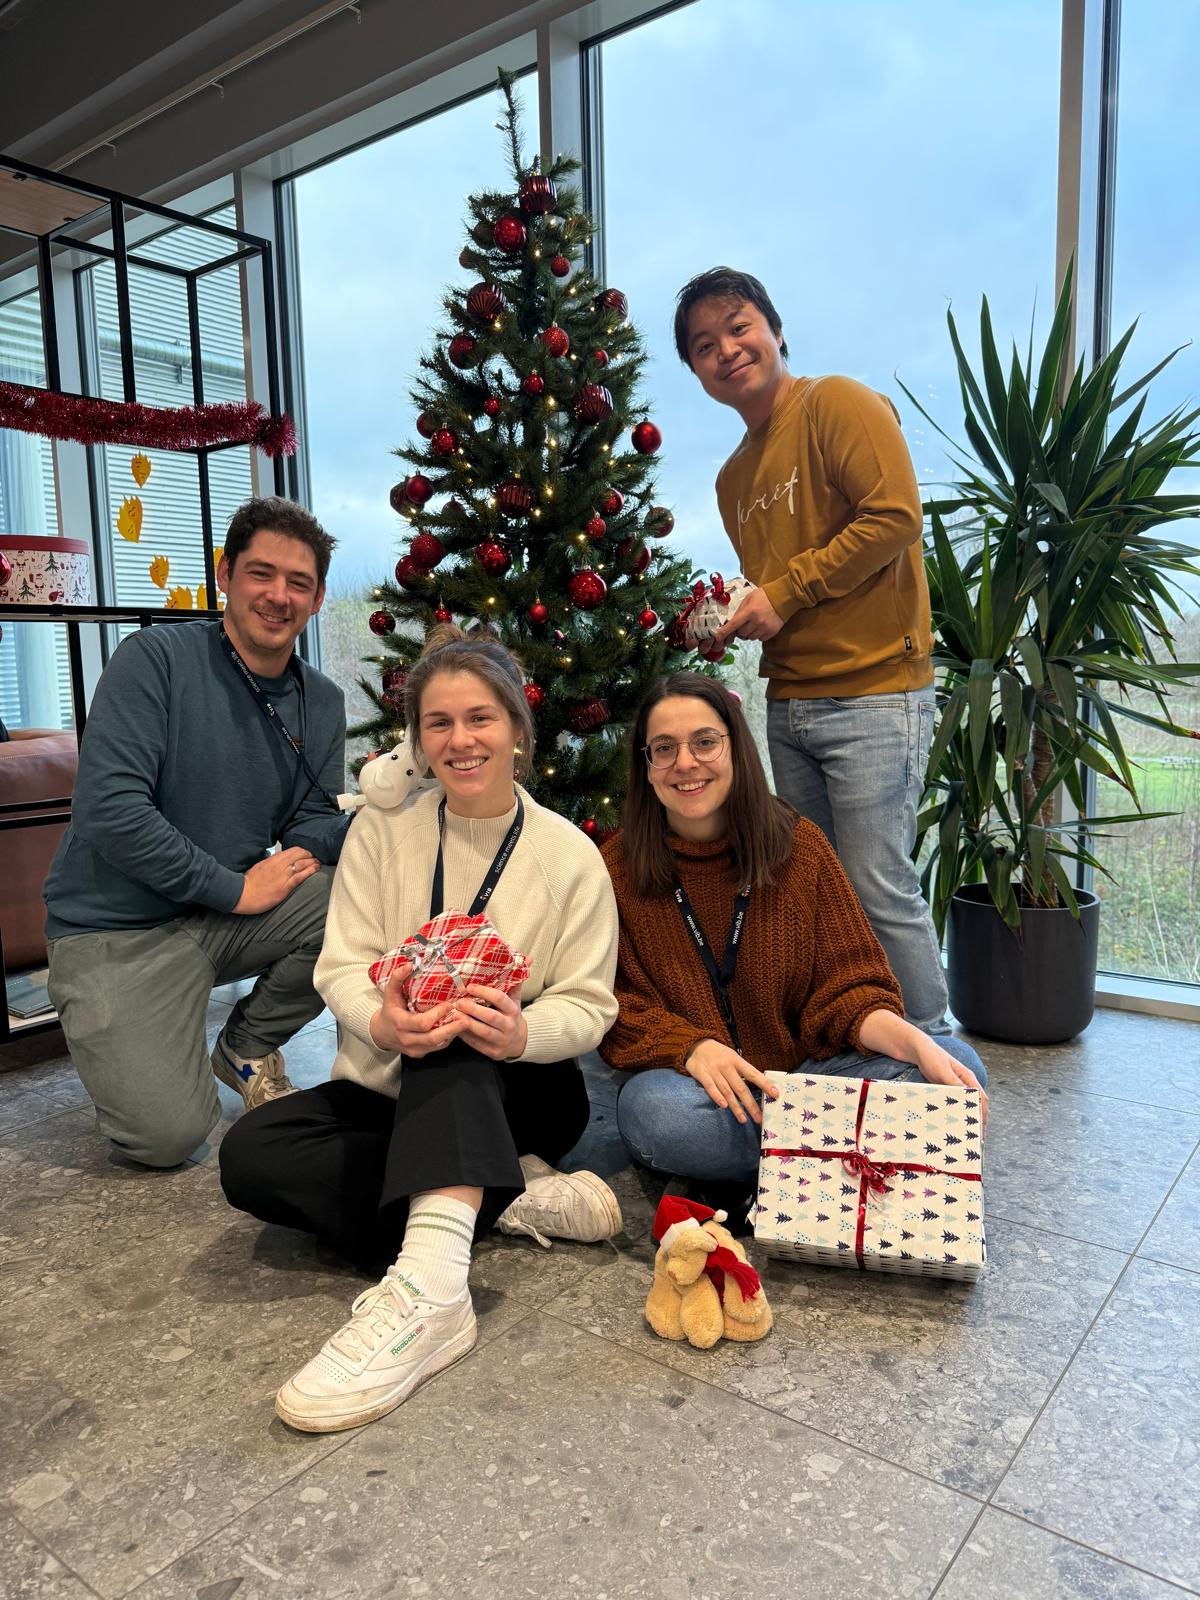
529, 504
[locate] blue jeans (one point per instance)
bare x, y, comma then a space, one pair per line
856, 767
669, 1123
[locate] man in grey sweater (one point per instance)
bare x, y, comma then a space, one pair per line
206, 745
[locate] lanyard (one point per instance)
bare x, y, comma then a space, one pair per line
491, 877
720, 977
263, 702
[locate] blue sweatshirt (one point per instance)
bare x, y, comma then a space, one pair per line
183, 784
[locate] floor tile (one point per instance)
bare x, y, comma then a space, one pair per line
941, 1377
1175, 1236
555, 1464
1005, 1558
29, 1572
27, 1093
1113, 1461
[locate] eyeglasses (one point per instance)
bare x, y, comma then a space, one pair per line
664, 753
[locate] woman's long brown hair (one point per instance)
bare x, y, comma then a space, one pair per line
760, 824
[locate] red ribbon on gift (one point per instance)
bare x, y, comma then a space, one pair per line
872, 1175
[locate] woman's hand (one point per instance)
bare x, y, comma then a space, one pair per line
396, 1028
493, 1022
726, 1077
939, 1066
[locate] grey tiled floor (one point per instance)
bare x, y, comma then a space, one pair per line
1031, 1438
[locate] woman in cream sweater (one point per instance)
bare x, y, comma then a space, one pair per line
438, 1124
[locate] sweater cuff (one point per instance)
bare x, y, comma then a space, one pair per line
785, 602
225, 890
356, 1018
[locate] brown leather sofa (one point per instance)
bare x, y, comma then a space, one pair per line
36, 764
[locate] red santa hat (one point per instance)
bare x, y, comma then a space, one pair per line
675, 1214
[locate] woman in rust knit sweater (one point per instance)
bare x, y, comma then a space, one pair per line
743, 948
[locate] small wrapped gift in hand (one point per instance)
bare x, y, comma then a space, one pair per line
446, 955
707, 609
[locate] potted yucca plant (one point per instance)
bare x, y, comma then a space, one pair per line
1054, 587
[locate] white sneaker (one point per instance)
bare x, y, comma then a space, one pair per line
256, 1078
563, 1205
391, 1345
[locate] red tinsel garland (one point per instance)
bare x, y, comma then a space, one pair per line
89, 421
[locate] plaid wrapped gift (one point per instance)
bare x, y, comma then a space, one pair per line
449, 953
861, 1172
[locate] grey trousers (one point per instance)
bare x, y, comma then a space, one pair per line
133, 1006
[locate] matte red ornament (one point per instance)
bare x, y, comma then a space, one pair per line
417, 489
441, 614
426, 424
589, 716
586, 589
409, 573
660, 521
593, 403
444, 442
612, 300
648, 619
486, 301
398, 496
537, 195
557, 340
509, 234
611, 502
395, 678
600, 357
463, 350
538, 613
493, 557
491, 405
591, 827
381, 622
427, 550
596, 527
534, 384
559, 266
514, 497
646, 438
535, 696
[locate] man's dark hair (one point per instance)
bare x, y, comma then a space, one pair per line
722, 283
279, 516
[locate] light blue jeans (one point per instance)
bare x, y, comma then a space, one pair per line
669, 1123
856, 767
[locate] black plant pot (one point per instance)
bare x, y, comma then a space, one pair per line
1035, 986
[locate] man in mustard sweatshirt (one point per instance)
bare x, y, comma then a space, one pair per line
820, 502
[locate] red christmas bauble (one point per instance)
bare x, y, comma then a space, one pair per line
491, 405
465, 257
417, 489
646, 438
589, 716
427, 550
596, 527
493, 557
610, 503
509, 234
444, 442
648, 619
392, 702
660, 521
538, 613
398, 496
381, 622
514, 497
426, 424
559, 266
409, 573
557, 340
534, 384
486, 301
463, 350
593, 403
642, 560
537, 196
600, 357
535, 696
394, 678
442, 615
591, 827
586, 589
612, 300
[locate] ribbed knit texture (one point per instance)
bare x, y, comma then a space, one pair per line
809, 968
435, 1258
554, 903
822, 506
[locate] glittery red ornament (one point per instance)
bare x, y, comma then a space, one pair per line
381, 622
589, 716
509, 234
591, 827
441, 614
491, 405
426, 424
612, 300
538, 613
534, 384
392, 701
514, 497
398, 496
417, 489
660, 521
537, 196
486, 301
463, 350
610, 502
593, 403
646, 438
596, 527
427, 550
394, 678
409, 573
559, 266
648, 619
535, 696
444, 442
586, 589
557, 340
493, 557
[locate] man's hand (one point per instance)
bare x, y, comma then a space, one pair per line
755, 618
726, 1077
494, 1024
396, 1028
269, 881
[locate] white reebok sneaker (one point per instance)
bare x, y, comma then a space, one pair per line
562, 1205
391, 1345
256, 1078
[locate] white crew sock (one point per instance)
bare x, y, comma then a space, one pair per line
435, 1257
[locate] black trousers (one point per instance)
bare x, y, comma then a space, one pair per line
341, 1161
